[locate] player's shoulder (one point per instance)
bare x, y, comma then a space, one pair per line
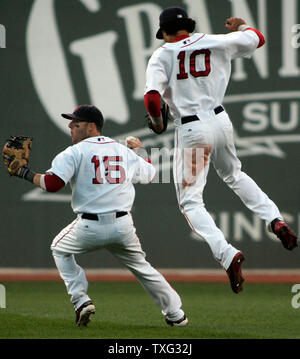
68, 150
101, 142
157, 54
66, 154
185, 42
96, 140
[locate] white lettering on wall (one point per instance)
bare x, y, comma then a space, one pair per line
200, 15
102, 75
47, 62
242, 226
241, 9
259, 116
289, 53
140, 53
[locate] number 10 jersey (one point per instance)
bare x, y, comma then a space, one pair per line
192, 74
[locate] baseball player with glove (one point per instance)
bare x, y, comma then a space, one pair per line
101, 172
190, 72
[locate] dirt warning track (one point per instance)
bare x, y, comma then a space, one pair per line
179, 275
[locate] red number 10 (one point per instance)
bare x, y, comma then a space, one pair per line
181, 57
108, 169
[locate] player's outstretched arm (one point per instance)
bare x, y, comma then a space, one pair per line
48, 181
15, 154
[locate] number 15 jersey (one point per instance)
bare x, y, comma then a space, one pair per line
101, 172
192, 74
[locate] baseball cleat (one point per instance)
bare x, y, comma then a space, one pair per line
178, 323
234, 273
83, 313
285, 234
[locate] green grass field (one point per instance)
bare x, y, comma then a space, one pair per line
124, 311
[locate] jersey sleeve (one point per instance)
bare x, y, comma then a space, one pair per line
260, 36
152, 103
241, 43
143, 170
64, 164
52, 183
156, 73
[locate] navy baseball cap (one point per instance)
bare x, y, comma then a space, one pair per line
86, 113
170, 15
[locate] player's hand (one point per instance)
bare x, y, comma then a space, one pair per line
158, 127
133, 142
232, 23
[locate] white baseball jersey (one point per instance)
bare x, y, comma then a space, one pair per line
192, 74
101, 171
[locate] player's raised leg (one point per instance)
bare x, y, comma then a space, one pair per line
190, 199
228, 167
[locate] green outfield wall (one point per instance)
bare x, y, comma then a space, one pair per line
56, 54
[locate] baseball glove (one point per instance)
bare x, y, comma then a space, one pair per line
16, 153
165, 117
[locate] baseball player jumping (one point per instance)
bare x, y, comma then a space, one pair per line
191, 73
101, 172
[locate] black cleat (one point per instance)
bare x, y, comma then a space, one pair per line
83, 313
178, 323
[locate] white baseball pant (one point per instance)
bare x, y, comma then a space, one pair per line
211, 139
118, 236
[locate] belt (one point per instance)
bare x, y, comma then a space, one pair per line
94, 217
187, 119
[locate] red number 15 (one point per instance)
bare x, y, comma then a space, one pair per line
108, 169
